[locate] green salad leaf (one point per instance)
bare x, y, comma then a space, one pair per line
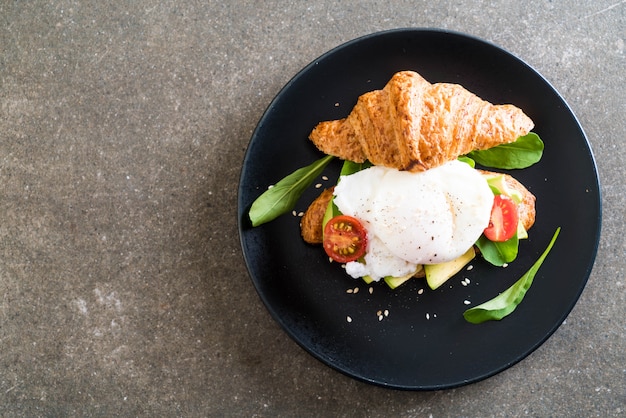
524, 152
348, 167
282, 198
498, 253
506, 302
467, 160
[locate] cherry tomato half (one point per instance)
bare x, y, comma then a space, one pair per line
345, 239
504, 219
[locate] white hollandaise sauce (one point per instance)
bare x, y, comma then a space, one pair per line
427, 217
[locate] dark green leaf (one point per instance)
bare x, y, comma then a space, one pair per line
282, 198
350, 167
522, 153
498, 253
506, 302
467, 160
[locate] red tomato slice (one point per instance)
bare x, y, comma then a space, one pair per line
504, 219
345, 239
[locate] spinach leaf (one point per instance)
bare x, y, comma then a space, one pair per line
283, 196
467, 160
498, 253
506, 302
350, 167
522, 153
331, 211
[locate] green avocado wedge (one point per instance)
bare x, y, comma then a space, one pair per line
394, 282
438, 274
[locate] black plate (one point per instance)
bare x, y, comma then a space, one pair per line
424, 343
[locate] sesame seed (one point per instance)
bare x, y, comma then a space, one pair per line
380, 317
325, 178
270, 186
379, 313
386, 312
318, 185
371, 290
301, 214
427, 315
348, 319
505, 265
350, 291
337, 104
356, 290
293, 212
419, 292
470, 267
467, 302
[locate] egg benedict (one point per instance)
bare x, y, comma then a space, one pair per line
414, 218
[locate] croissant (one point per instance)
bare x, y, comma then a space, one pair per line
414, 125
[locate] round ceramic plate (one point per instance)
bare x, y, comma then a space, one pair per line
422, 341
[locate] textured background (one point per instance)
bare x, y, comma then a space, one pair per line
123, 126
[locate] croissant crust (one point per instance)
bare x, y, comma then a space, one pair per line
414, 125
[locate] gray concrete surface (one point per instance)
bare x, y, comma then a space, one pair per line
123, 126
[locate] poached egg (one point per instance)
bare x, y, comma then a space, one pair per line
411, 219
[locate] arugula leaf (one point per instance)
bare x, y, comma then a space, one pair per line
498, 253
506, 302
282, 198
524, 152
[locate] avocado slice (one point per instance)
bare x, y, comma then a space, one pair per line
521, 231
498, 182
367, 279
438, 274
394, 282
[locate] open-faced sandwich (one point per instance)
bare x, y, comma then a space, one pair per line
409, 201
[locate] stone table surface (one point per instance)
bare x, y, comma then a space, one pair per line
123, 127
